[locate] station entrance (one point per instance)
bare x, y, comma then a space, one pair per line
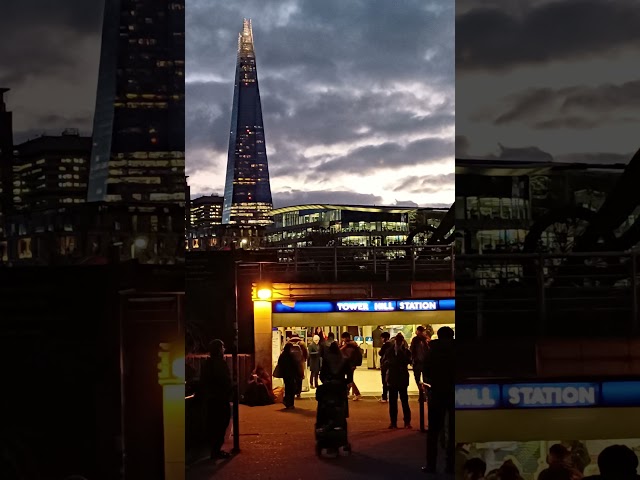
520, 421
364, 320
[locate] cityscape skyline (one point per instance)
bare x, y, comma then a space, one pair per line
331, 114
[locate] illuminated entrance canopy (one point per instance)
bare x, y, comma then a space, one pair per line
369, 306
548, 395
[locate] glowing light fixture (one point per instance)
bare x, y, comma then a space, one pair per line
264, 291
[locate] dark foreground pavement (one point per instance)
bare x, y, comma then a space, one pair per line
279, 444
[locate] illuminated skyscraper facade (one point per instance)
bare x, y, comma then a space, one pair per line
247, 193
138, 135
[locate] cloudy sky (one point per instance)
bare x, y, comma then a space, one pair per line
357, 97
548, 78
49, 57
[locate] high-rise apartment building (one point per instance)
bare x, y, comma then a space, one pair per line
206, 212
138, 133
247, 193
49, 171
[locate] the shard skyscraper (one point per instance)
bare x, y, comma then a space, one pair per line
247, 193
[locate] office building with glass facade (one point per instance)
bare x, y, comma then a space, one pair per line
498, 202
351, 225
138, 133
247, 193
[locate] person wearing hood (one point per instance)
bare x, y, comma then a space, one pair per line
439, 373
300, 354
396, 362
217, 389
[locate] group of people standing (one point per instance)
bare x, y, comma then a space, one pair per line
329, 361
433, 363
296, 356
565, 461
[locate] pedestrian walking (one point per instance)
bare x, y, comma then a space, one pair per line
288, 369
439, 373
217, 388
385, 344
300, 353
315, 362
396, 360
351, 351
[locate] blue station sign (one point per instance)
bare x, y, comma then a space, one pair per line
305, 306
548, 395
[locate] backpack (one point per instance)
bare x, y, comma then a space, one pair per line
355, 355
296, 353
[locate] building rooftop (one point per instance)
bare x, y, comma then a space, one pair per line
356, 208
498, 167
49, 143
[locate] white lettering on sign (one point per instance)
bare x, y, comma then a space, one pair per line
417, 305
474, 397
552, 396
353, 306
383, 306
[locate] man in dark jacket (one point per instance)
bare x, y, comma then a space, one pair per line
348, 349
439, 373
383, 350
396, 361
419, 346
216, 389
376, 336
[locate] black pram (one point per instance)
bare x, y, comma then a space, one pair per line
331, 419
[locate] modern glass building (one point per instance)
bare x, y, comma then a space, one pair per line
138, 134
351, 225
247, 193
499, 202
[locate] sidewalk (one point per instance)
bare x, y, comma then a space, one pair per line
277, 444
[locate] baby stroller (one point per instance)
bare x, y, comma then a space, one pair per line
331, 419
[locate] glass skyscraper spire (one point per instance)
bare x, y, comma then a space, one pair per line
247, 193
138, 131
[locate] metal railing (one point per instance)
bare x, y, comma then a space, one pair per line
547, 295
337, 263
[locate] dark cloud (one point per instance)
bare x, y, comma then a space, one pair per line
333, 76
299, 197
596, 158
531, 154
406, 203
427, 184
575, 107
390, 156
495, 39
50, 48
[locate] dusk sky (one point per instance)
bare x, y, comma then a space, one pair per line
49, 58
357, 97
546, 79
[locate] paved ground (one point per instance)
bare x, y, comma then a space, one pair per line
279, 444
369, 382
